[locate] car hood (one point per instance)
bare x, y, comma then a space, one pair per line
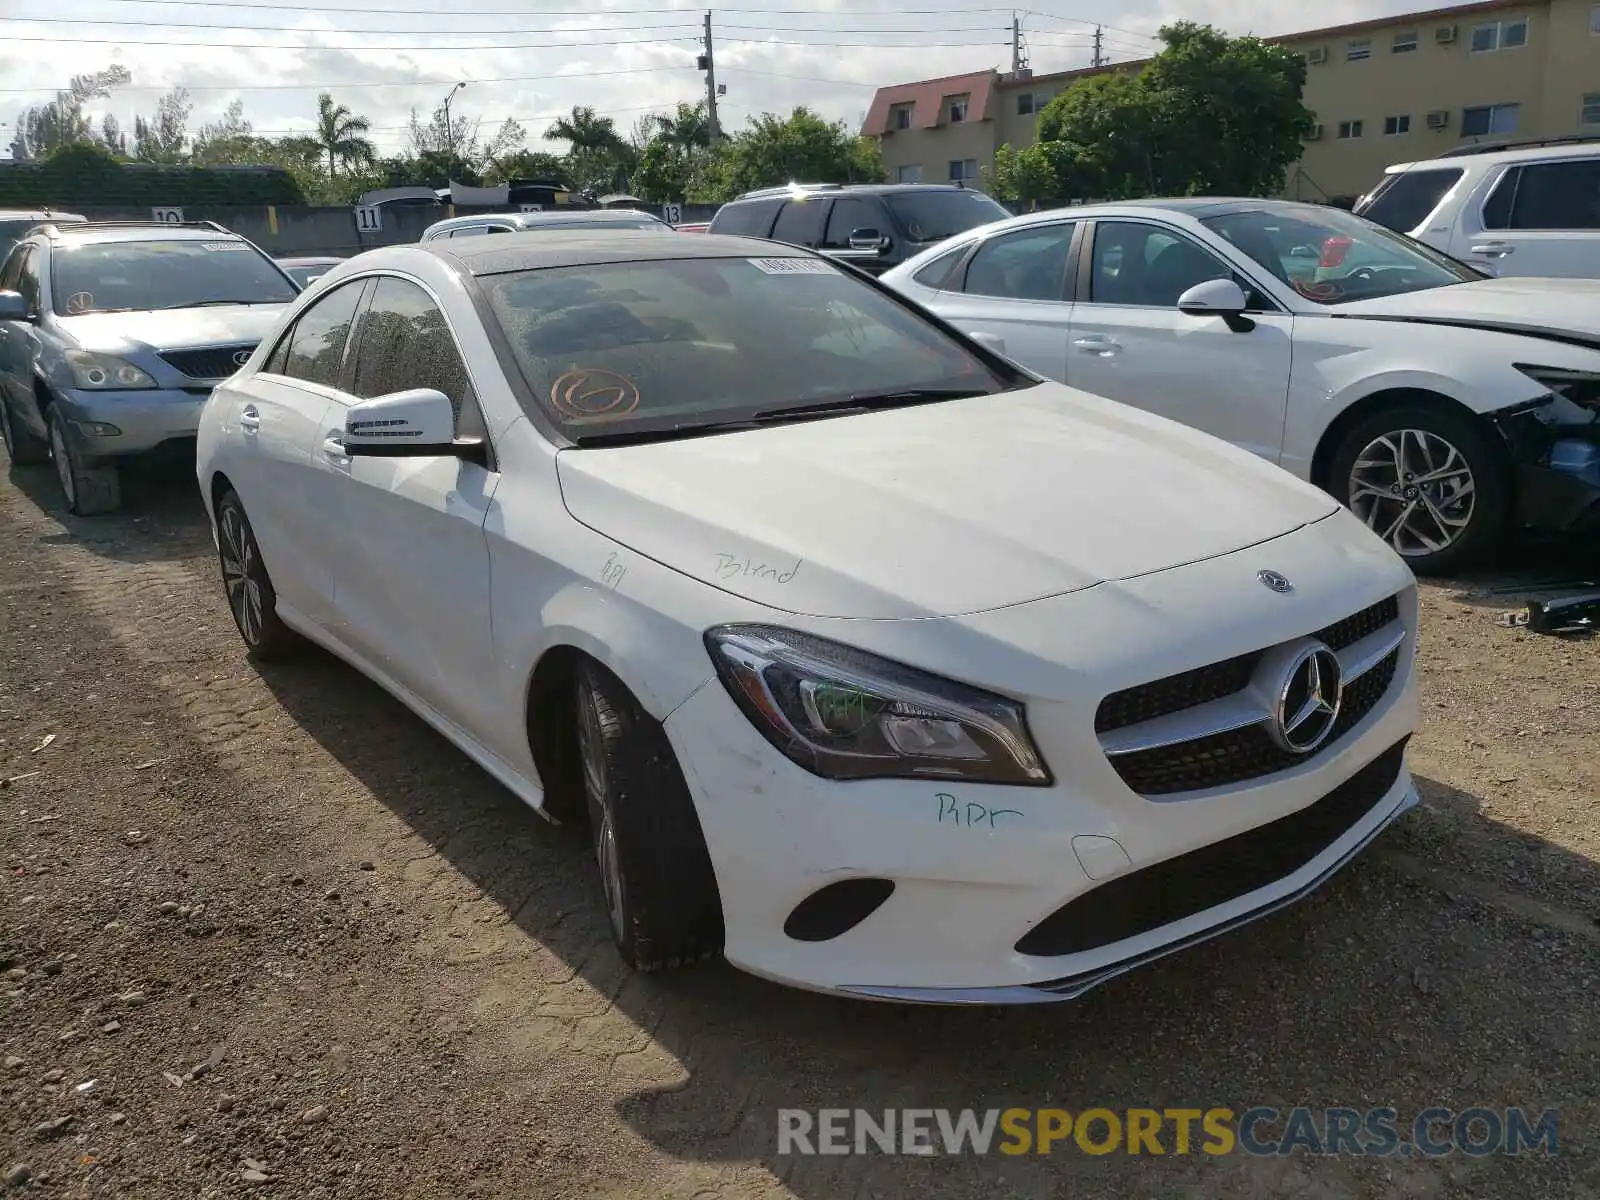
1567, 309
173, 328
938, 509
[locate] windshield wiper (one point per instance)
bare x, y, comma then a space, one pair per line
631, 437
216, 303
867, 402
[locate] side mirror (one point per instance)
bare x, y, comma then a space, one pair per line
13, 307
416, 423
868, 239
1213, 298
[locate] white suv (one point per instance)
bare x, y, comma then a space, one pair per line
1519, 208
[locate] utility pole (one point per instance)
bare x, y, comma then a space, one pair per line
1016, 43
449, 129
1099, 56
710, 69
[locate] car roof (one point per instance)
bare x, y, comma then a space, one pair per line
1491, 155
98, 232
579, 247
580, 217
312, 260
1197, 207
844, 189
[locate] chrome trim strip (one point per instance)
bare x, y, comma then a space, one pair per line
1055, 992
1355, 661
1244, 708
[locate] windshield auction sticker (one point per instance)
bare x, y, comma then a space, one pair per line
792, 266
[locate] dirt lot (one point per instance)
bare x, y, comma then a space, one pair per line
267, 933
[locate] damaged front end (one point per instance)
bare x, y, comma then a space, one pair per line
1555, 447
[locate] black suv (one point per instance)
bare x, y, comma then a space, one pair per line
871, 226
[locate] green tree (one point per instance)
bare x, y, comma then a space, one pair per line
526, 164
230, 140
1209, 114
1035, 174
50, 127
598, 156
686, 131
162, 138
772, 150
342, 135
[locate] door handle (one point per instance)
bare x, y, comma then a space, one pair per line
1098, 344
1493, 249
250, 418
333, 445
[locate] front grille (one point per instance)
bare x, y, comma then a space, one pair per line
213, 362
1169, 891
1204, 684
1243, 754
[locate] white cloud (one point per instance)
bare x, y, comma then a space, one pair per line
621, 57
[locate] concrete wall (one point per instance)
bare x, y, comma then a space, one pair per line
285, 231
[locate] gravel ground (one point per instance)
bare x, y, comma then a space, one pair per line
266, 933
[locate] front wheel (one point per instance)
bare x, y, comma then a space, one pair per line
1427, 480
89, 488
660, 890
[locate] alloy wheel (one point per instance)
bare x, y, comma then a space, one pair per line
1415, 490
239, 568
591, 749
62, 457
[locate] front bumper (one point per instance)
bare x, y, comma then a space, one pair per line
107, 424
974, 868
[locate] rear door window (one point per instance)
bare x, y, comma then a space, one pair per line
753, 218
799, 223
1407, 199
1553, 195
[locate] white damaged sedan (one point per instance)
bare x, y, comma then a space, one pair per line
877, 664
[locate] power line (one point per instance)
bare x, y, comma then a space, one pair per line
502, 46
887, 11
378, 84
628, 28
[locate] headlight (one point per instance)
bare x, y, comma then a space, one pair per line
105, 371
845, 714
1581, 387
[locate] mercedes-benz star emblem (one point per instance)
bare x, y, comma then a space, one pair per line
1275, 581
240, 357
1308, 700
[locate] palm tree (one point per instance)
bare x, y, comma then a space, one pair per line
340, 134
687, 129
585, 129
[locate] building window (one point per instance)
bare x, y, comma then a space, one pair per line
900, 116
963, 169
1489, 118
1027, 103
1404, 43
1502, 35
1590, 115
1359, 50
955, 109
1349, 129
1397, 125
1594, 21
908, 174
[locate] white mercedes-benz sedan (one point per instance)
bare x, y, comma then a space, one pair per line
1447, 409
876, 663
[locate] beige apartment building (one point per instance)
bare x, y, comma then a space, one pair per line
1385, 91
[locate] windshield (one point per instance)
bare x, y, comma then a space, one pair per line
936, 214
144, 275
1332, 257
648, 347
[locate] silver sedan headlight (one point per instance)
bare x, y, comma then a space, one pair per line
105, 372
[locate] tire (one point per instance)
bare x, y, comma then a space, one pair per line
660, 889
26, 448
248, 588
1440, 526
90, 489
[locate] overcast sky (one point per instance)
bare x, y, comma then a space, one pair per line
534, 59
